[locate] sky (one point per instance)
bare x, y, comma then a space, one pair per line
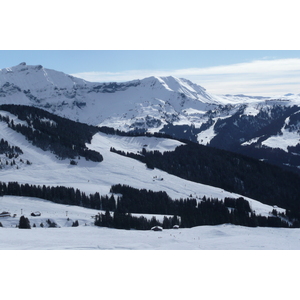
250, 72
227, 47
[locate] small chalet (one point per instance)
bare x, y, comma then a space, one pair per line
4, 214
156, 228
35, 214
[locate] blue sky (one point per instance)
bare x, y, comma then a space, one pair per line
76, 61
253, 72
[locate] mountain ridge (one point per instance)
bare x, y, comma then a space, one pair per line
65, 95
170, 105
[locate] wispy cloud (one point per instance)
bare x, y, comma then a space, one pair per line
260, 77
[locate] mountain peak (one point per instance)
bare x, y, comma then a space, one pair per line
20, 68
36, 77
181, 86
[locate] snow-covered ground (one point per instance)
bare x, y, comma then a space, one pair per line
92, 177
284, 139
88, 237
221, 237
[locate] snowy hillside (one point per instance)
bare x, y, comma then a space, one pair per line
146, 103
221, 237
262, 127
89, 237
91, 177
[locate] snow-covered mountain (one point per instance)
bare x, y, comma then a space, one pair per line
144, 104
262, 127
266, 128
46, 168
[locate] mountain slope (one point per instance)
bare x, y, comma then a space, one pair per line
92, 176
143, 103
265, 128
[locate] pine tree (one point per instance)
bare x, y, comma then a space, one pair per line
75, 224
24, 223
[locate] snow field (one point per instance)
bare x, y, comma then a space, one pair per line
221, 237
206, 136
283, 140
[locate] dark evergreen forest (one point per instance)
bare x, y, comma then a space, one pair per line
195, 212
233, 172
12, 151
61, 136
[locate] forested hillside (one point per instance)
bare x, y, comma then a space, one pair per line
63, 137
233, 172
202, 164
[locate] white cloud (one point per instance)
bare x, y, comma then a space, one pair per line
260, 77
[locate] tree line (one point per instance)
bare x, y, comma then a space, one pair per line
59, 194
196, 212
121, 220
187, 213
